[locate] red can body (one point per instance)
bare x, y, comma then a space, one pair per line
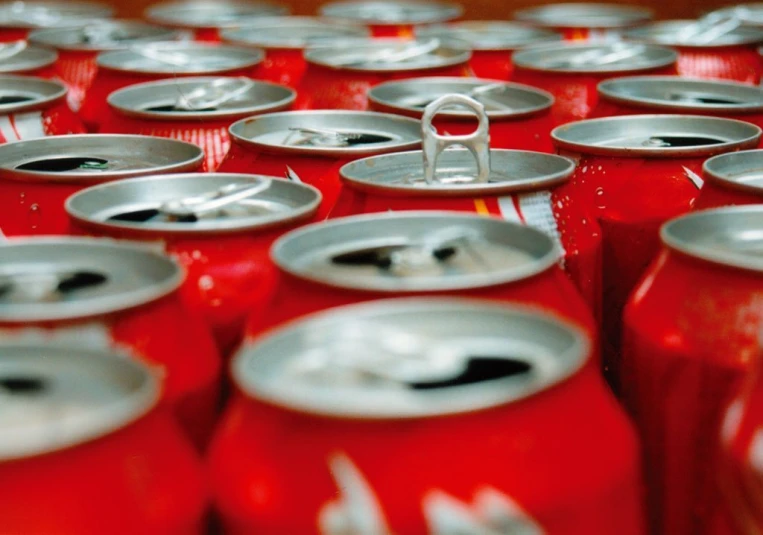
56, 120
737, 63
282, 66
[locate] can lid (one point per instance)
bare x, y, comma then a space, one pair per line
22, 93
330, 133
410, 358
181, 99
208, 203
728, 236
50, 13
51, 279
581, 15
102, 35
750, 14
683, 95
392, 12
501, 100
489, 34
709, 31
185, 57
53, 398
576, 58
388, 55
19, 57
415, 252
211, 13
92, 158
294, 33
656, 136
738, 170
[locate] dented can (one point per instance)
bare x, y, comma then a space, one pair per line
196, 110
78, 425
382, 388
339, 77
691, 333
36, 176
105, 295
219, 227
17, 19
732, 179
571, 72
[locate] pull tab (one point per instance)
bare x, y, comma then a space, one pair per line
214, 94
176, 59
9, 50
708, 29
48, 286
210, 202
478, 142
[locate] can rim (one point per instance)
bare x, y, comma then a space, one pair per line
534, 58
47, 93
442, 11
558, 16
175, 13
17, 64
744, 35
99, 11
713, 170
55, 37
246, 35
507, 30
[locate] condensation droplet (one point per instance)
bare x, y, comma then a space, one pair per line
206, 282
34, 215
599, 200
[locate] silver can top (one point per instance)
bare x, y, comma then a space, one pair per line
24, 93
489, 34
710, 31
92, 158
50, 13
390, 55
295, 33
194, 14
741, 170
52, 279
182, 99
415, 252
53, 398
102, 35
656, 136
593, 15
575, 58
208, 203
333, 133
725, 236
186, 57
410, 358
392, 12
750, 14
20, 57
683, 95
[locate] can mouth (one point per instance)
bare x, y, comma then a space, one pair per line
14, 99
65, 165
23, 385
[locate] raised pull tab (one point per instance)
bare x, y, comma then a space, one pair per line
478, 142
48, 286
708, 29
211, 202
176, 59
601, 57
214, 94
9, 50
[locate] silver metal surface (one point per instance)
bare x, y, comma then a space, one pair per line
738, 170
50, 14
392, 12
294, 33
211, 13
489, 35
23, 93
19, 57
102, 35
710, 32
584, 15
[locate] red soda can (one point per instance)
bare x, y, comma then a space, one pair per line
635, 173
161, 61
709, 48
285, 39
381, 389
732, 179
311, 146
196, 110
392, 18
571, 71
78, 48
32, 108
37, 175
104, 295
691, 333
492, 43
523, 187
21, 58
17, 19
219, 227
519, 115
391, 254
87, 450
206, 18
585, 22
338, 77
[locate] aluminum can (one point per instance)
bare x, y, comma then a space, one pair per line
492, 43
376, 390
751, 14
161, 61
20, 58
339, 77
392, 18
32, 108
17, 19
519, 115
37, 175
218, 227
311, 146
197, 110
407, 254
87, 450
78, 48
635, 173
708, 48
731, 180
524, 187
206, 18
585, 22
102, 294
691, 332
571, 71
